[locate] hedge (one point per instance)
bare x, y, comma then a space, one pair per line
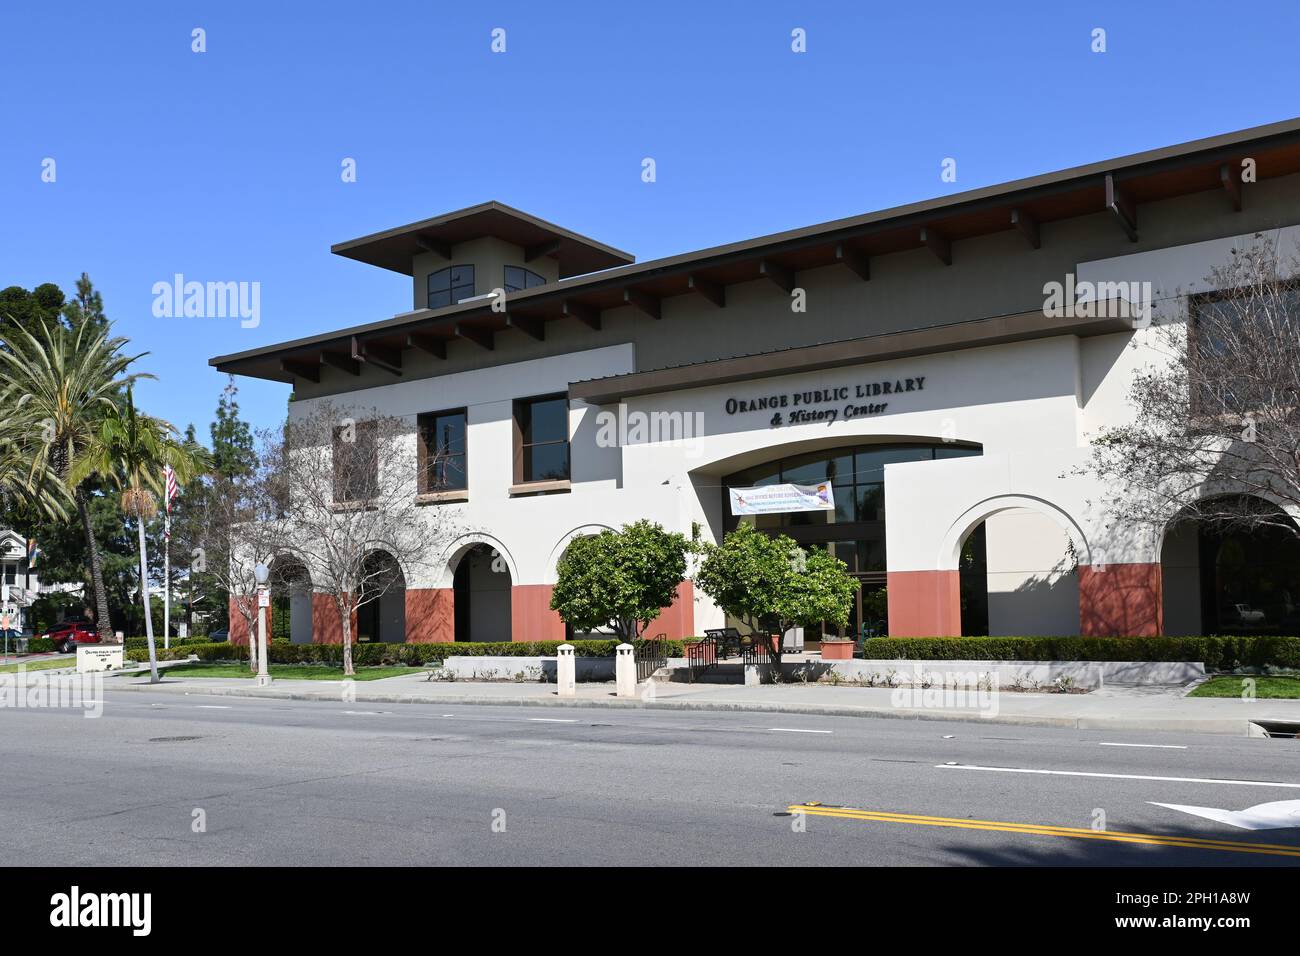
142, 643
375, 654
1217, 653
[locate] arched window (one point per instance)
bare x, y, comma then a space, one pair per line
448, 286
519, 278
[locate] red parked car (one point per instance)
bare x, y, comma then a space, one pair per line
67, 635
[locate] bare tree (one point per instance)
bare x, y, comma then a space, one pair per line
234, 526
348, 487
1216, 431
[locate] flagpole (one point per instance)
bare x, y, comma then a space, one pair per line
167, 577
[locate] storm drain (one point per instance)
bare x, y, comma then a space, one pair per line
1287, 729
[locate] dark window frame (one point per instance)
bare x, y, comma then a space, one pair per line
522, 448
426, 421
365, 431
527, 274
450, 291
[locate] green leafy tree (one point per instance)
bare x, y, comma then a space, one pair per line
131, 449
770, 583
620, 579
232, 439
86, 308
62, 383
20, 309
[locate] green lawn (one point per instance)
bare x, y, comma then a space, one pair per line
39, 664
1266, 688
291, 671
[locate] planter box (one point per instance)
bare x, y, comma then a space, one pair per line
837, 650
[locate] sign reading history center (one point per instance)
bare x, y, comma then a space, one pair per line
826, 404
774, 499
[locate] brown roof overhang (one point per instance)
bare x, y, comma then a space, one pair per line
1117, 187
395, 249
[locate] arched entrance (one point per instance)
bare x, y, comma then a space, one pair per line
1231, 577
1017, 558
290, 601
855, 531
481, 586
381, 618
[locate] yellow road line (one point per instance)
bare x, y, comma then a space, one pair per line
1042, 829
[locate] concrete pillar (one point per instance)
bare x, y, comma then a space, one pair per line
624, 671
566, 671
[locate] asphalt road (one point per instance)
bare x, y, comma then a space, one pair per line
312, 783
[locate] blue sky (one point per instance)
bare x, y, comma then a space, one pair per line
225, 165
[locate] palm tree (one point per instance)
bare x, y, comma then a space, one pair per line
19, 484
62, 384
130, 450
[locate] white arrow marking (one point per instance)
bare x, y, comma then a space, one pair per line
1263, 816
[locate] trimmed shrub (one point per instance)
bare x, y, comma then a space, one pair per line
38, 645
364, 655
1217, 653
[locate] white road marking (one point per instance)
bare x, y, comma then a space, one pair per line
1152, 746
797, 730
552, 720
1119, 776
213, 706
1277, 815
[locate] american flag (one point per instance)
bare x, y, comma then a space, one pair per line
169, 477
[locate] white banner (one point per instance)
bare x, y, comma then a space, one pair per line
776, 499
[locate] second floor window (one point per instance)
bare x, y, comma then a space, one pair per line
448, 286
542, 438
443, 451
518, 278
356, 463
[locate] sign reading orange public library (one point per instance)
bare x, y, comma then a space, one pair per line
824, 404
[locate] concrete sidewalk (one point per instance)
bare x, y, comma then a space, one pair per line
1113, 708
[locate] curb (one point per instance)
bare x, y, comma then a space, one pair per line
1218, 727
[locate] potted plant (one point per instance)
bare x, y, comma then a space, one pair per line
837, 648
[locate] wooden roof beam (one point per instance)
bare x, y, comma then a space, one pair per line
643, 302
1231, 180
855, 259
427, 344
372, 353
586, 314
779, 274
1028, 227
535, 328
715, 292
437, 248
548, 248
1122, 208
301, 369
937, 243
343, 363
480, 337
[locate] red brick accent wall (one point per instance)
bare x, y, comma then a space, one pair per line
1124, 600
531, 617
924, 603
678, 619
326, 628
239, 628
430, 615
